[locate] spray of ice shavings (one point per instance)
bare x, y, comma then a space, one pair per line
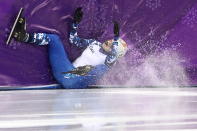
163, 69
191, 18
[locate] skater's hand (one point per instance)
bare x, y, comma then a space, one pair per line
116, 29
78, 14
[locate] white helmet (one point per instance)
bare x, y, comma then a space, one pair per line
120, 47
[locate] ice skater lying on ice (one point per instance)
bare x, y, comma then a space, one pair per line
87, 69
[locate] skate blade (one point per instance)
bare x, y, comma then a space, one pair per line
14, 25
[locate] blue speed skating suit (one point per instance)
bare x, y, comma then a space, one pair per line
93, 54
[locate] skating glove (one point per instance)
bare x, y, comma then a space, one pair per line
78, 14
116, 29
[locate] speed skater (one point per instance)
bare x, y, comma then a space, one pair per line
96, 59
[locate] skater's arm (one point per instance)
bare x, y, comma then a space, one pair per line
112, 57
76, 40
110, 60
116, 30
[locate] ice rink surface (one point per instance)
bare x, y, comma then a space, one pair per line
107, 109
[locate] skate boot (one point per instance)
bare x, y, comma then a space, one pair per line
19, 33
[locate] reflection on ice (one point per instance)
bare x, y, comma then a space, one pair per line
99, 109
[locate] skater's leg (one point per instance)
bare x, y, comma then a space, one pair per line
37, 38
60, 63
58, 57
